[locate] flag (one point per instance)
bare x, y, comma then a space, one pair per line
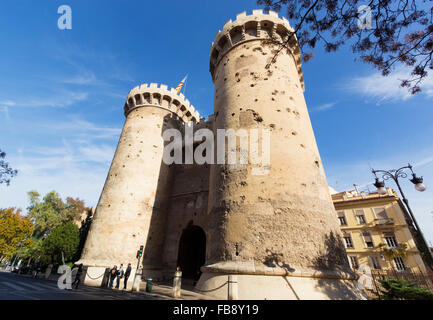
179, 87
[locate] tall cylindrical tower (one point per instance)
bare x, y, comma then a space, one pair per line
131, 209
276, 230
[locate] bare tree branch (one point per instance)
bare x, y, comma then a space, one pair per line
401, 32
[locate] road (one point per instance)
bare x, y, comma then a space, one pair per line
19, 287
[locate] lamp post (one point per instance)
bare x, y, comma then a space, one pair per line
419, 186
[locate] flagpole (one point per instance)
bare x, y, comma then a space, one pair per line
184, 89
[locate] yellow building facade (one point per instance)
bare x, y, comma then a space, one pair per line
373, 224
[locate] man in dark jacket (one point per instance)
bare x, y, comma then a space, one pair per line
113, 275
78, 276
126, 276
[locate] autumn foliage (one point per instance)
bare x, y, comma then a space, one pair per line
15, 232
49, 232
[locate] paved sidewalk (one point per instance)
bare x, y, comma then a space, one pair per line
166, 291
159, 291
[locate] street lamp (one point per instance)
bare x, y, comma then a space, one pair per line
417, 181
380, 185
419, 186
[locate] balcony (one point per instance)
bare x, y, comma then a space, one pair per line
383, 222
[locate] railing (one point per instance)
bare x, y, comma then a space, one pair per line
423, 280
396, 247
384, 222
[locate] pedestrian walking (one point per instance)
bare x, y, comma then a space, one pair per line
113, 274
119, 275
37, 270
78, 276
126, 276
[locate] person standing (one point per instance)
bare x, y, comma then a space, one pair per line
119, 276
78, 276
113, 274
126, 276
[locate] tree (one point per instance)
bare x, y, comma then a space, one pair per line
400, 32
32, 251
46, 214
391, 253
401, 289
52, 211
6, 172
75, 209
61, 244
15, 232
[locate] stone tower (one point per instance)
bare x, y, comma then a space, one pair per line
278, 232
132, 207
274, 231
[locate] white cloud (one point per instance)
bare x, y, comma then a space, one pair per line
7, 103
387, 88
61, 98
111, 66
102, 154
424, 162
324, 107
63, 174
82, 79
84, 128
72, 170
46, 151
73, 162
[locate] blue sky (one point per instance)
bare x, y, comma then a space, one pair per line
62, 93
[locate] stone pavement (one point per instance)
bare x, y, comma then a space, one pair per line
14, 286
166, 291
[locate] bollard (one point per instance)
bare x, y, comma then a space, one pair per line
137, 279
136, 282
48, 271
233, 287
177, 283
149, 284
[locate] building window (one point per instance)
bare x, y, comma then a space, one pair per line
390, 240
368, 240
360, 218
375, 263
342, 218
360, 213
399, 264
348, 240
382, 216
354, 262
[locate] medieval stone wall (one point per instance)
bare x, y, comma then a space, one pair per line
132, 209
188, 206
286, 216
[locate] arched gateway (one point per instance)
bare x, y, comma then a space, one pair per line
192, 252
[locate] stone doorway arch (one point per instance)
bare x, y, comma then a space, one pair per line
192, 252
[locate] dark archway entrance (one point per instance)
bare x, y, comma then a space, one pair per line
192, 252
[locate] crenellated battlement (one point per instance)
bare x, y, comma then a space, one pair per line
159, 95
256, 26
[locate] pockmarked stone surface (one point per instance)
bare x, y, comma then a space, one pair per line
275, 229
